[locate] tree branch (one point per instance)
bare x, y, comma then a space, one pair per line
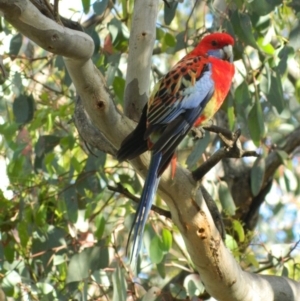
141, 42
239, 181
232, 149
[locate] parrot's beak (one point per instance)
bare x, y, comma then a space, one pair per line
228, 53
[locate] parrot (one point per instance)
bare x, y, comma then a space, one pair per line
188, 95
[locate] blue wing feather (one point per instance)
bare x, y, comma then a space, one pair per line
165, 108
145, 204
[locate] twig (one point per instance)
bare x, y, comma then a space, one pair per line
219, 130
56, 13
166, 3
124, 191
188, 20
280, 260
232, 149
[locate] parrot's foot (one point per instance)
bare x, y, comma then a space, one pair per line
198, 132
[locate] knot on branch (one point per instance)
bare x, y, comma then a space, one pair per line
100, 104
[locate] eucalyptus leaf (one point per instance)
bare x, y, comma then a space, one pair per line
87, 261
166, 240
243, 28
15, 45
226, 199
119, 285
256, 123
198, 150
86, 5
257, 175
156, 252
100, 6
23, 108
169, 11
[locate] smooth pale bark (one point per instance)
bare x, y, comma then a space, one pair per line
141, 42
220, 273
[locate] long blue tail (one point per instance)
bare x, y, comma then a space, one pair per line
144, 206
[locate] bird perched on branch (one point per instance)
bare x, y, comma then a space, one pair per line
188, 95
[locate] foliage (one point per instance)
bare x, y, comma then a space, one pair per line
63, 232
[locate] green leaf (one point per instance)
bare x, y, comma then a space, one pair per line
119, 32
17, 81
266, 47
119, 87
256, 123
295, 5
95, 36
86, 5
87, 182
177, 291
100, 223
23, 108
15, 45
226, 199
275, 95
169, 11
100, 6
228, 107
156, 253
294, 38
43, 242
198, 150
88, 179
283, 155
264, 7
238, 228
284, 54
230, 243
46, 144
250, 258
95, 161
71, 203
242, 99
119, 285
169, 40
227, 25
159, 33
14, 167
45, 288
10, 281
67, 81
257, 175
23, 233
161, 269
243, 28
59, 63
89, 260
166, 240
9, 252
41, 216
285, 271
180, 41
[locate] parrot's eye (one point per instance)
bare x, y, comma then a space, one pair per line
214, 43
